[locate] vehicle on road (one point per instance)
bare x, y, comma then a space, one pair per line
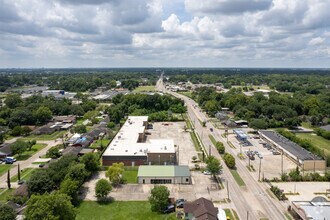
211, 129
206, 172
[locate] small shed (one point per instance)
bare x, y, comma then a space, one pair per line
164, 175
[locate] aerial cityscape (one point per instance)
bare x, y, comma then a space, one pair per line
153, 109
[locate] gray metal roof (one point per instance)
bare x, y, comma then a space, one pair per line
163, 171
289, 146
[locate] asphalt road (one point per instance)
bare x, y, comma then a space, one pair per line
27, 163
252, 201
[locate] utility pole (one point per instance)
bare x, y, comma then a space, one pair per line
259, 168
282, 162
18, 173
227, 190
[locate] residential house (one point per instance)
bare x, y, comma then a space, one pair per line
200, 209
5, 150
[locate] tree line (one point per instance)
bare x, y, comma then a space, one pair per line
157, 107
276, 110
75, 79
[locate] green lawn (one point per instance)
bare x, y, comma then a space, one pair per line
4, 168
229, 214
5, 193
237, 177
188, 94
130, 175
214, 142
119, 210
145, 89
25, 174
96, 144
45, 137
317, 141
27, 154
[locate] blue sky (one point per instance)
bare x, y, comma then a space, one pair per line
165, 33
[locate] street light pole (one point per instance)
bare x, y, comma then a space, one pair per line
259, 168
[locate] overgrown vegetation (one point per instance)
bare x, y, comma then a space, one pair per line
278, 193
157, 107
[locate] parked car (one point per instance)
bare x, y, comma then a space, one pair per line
211, 129
206, 172
42, 165
169, 209
11, 158
179, 203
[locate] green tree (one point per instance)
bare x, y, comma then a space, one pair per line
25, 130
13, 100
40, 182
43, 114
213, 165
91, 162
80, 129
115, 172
53, 152
50, 206
111, 125
19, 147
220, 147
70, 187
77, 172
229, 160
159, 198
7, 212
16, 131
102, 189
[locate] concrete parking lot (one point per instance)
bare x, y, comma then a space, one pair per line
307, 190
182, 139
203, 186
270, 164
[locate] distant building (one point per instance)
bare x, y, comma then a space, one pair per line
131, 146
164, 175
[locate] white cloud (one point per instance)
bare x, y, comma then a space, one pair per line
160, 32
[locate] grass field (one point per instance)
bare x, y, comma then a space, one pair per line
25, 175
119, 210
4, 194
214, 142
188, 94
44, 137
130, 174
237, 177
317, 141
4, 168
27, 154
145, 89
96, 144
